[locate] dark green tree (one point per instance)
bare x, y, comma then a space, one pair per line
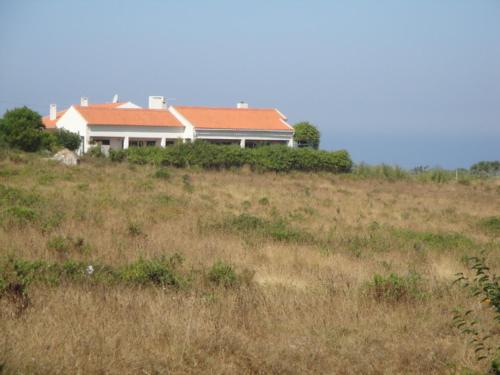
306, 135
68, 139
22, 128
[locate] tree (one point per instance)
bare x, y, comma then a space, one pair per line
22, 128
306, 135
68, 140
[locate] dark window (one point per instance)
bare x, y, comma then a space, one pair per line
151, 143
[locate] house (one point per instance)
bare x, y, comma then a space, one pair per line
119, 125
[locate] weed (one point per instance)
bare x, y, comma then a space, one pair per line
264, 201
246, 205
491, 225
395, 288
186, 181
222, 274
19, 215
277, 229
162, 173
158, 271
135, 229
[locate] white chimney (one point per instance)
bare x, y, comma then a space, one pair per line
157, 102
242, 105
84, 101
53, 112
115, 98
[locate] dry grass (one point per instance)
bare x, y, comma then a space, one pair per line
307, 309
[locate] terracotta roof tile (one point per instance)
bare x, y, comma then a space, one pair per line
51, 124
128, 117
234, 118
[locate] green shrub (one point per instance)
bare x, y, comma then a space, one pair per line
117, 155
264, 201
277, 229
222, 274
484, 286
59, 243
162, 173
491, 225
275, 158
158, 271
96, 152
395, 288
440, 241
14, 196
66, 244
67, 139
19, 215
23, 129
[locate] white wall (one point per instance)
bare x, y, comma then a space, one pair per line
189, 132
136, 132
283, 136
74, 122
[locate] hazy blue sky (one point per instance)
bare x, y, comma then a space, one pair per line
407, 82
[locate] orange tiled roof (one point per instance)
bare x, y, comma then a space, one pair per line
234, 118
51, 124
129, 116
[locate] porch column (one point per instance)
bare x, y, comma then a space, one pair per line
163, 142
242, 143
125, 143
290, 142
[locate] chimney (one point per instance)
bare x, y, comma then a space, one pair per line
53, 112
115, 98
242, 105
157, 102
84, 101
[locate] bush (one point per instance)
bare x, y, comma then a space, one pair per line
117, 155
484, 286
222, 274
22, 128
162, 173
274, 158
159, 271
306, 135
67, 139
96, 152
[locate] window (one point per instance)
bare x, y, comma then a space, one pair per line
151, 143
105, 142
135, 143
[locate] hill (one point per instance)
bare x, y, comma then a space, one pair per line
119, 268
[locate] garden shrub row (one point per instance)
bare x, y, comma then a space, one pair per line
210, 156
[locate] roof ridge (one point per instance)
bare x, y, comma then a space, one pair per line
223, 108
119, 109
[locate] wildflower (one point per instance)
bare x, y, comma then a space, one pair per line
90, 270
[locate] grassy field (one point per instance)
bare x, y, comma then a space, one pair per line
234, 272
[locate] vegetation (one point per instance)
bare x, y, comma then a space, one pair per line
486, 167
111, 267
306, 135
483, 286
211, 156
22, 128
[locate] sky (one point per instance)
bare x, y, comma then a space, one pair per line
402, 82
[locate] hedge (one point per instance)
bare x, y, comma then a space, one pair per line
275, 158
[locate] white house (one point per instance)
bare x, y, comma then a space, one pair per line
119, 125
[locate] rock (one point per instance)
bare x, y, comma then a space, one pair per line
66, 157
